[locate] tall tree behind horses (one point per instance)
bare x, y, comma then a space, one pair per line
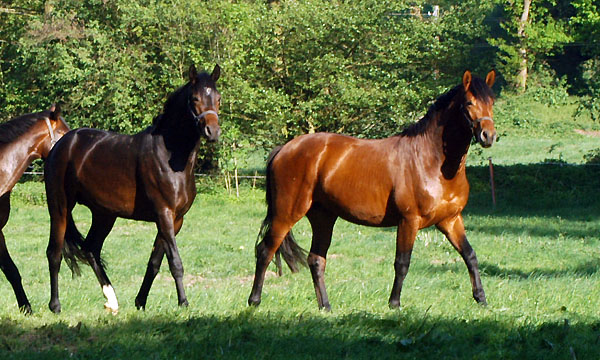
412, 181
147, 176
22, 140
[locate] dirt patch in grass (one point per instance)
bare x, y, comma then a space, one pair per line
592, 133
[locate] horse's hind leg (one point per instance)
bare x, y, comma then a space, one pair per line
156, 257
158, 252
101, 227
265, 251
322, 224
6, 264
454, 230
58, 226
12, 275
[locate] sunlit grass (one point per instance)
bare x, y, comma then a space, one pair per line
540, 273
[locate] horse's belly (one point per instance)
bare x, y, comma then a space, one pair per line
112, 202
370, 209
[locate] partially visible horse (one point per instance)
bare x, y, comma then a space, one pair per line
411, 181
147, 176
22, 140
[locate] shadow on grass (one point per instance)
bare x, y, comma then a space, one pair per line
487, 269
569, 191
248, 335
581, 270
551, 193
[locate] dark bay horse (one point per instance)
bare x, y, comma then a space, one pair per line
22, 140
412, 181
147, 176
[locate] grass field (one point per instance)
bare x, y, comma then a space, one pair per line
538, 256
538, 249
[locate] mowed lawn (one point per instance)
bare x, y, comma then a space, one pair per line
539, 254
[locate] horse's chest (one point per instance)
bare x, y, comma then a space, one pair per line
438, 200
178, 193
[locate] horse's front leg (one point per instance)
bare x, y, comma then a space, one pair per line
168, 227
405, 239
454, 229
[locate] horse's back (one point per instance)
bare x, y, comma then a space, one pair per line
96, 167
348, 176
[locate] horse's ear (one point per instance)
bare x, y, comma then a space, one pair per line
216, 73
54, 112
193, 74
467, 80
490, 78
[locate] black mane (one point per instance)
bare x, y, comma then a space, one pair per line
12, 129
478, 88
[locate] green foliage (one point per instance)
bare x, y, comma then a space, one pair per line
545, 87
590, 101
364, 68
544, 35
586, 24
593, 157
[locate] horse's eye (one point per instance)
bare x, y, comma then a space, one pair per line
469, 103
195, 99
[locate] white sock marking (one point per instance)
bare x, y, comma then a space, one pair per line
111, 298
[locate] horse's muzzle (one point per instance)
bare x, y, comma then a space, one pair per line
212, 132
486, 138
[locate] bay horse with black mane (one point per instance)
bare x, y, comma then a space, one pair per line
147, 176
22, 140
412, 181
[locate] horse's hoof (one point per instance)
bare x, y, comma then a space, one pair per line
326, 308
394, 304
184, 303
253, 302
480, 298
55, 308
140, 304
110, 309
26, 309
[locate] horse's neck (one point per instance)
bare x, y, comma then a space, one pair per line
16, 157
182, 144
450, 141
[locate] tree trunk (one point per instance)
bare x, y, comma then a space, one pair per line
522, 77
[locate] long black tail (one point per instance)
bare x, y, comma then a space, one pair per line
292, 253
73, 250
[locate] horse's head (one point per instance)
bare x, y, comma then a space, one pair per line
477, 107
204, 101
56, 128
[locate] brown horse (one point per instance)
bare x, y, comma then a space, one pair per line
147, 176
412, 181
22, 140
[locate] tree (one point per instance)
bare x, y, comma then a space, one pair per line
531, 34
586, 29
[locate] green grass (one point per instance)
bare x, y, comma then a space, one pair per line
539, 263
530, 132
538, 250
